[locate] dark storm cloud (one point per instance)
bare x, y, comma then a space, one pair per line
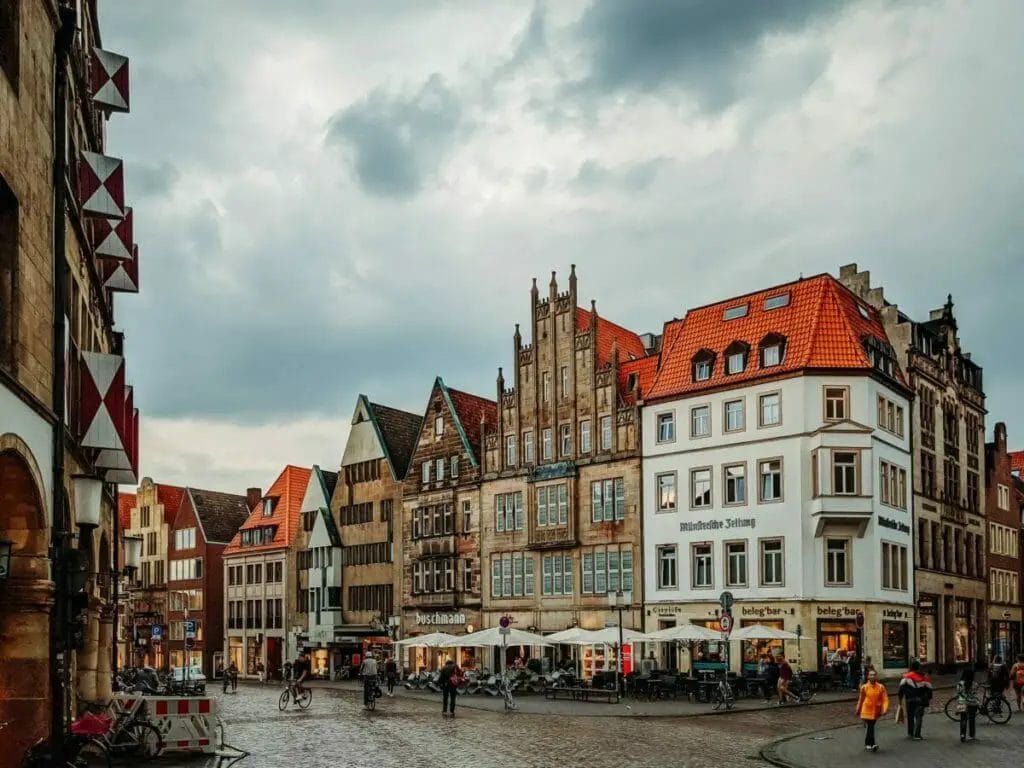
398, 141
702, 47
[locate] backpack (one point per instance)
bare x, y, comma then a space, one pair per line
1019, 675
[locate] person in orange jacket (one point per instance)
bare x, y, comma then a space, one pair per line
871, 705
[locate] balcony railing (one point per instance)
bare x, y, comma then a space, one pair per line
557, 537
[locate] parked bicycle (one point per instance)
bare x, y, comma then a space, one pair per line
290, 694
995, 707
723, 695
505, 688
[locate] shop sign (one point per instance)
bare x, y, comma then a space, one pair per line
764, 612
926, 606
662, 610
895, 613
717, 525
838, 611
441, 619
887, 522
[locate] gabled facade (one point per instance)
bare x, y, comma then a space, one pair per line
441, 518
314, 594
259, 567
366, 520
776, 467
560, 513
204, 524
1004, 553
948, 435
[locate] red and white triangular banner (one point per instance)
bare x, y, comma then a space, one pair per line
114, 238
111, 458
103, 396
110, 80
122, 276
129, 476
101, 185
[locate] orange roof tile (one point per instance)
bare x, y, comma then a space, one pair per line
469, 410
822, 326
645, 368
125, 503
1017, 462
170, 496
288, 491
610, 334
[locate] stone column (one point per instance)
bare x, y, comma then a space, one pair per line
104, 683
85, 680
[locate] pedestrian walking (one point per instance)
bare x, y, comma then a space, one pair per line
391, 673
785, 676
771, 677
967, 704
915, 694
368, 671
450, 679
866, 667
232, 673
1017, 678
261, 672
872, 703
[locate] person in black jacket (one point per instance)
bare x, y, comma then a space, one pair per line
771, 678
916, 693
391, 673
450, 678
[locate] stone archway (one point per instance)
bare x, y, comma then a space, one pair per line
26, 599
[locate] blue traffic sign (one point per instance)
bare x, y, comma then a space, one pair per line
190, 625
156, 631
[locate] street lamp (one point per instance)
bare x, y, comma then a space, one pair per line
88, 498
132, 554
619, 601
5, 559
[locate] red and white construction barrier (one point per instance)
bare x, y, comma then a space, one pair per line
188, 724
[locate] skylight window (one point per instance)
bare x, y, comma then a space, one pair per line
777, 302
734, 313
863, 311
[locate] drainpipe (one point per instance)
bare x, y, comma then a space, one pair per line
59, 656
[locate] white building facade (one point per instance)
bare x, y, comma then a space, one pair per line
781, 482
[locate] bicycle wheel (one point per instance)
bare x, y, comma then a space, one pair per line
716, 700
147, 742
305, 699
950, 710
282, 702
998, 710
371, 702
94, 754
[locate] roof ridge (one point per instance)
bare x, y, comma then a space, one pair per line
814, 331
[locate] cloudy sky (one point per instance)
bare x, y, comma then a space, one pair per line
340, 197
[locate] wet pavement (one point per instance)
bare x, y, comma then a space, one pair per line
409, 731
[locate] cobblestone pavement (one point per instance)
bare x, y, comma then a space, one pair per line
409, 731
995, 745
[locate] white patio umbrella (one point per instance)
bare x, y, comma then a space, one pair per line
433, 640
683, 633
761, 632
566, 636
606, 636
494, 637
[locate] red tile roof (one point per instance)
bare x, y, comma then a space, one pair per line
288, 490
125, 503
469, 410
170, 496
608, 335
1017, 462
822, 325
645, 368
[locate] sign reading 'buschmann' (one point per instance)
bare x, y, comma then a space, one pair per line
447, 619
717, 525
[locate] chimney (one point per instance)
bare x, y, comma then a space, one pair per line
253, 497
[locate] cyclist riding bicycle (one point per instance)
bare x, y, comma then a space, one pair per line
368, 671
300, 672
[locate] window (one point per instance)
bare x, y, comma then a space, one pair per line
770, 409
702, 370
565, 434
928, 473
776, 302
508, 512
545, 386
894, 566
454, 465
863, 311
606, 569
700, 488
836, 403
563, 382
734, 313
736, 362
892, 485
606, 433
467, 516
439, 469
426, 472
772, 574
528, 447
703, 577
666, 484
608, 500
700, 421
771, 479
553, 505
467, 575
585, 436
844, 473
185, 538
736, 484
439, 425
837, 562
510, 451
771, 355
666, 427
736, 563
890, 416
1003, 494
734, 420
667, 573
546, 444
556, 571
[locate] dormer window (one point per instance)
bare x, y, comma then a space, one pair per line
881, 355
772, 350
735, 313
268, 507
777, 302
736, 358
703, 365
863, 311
